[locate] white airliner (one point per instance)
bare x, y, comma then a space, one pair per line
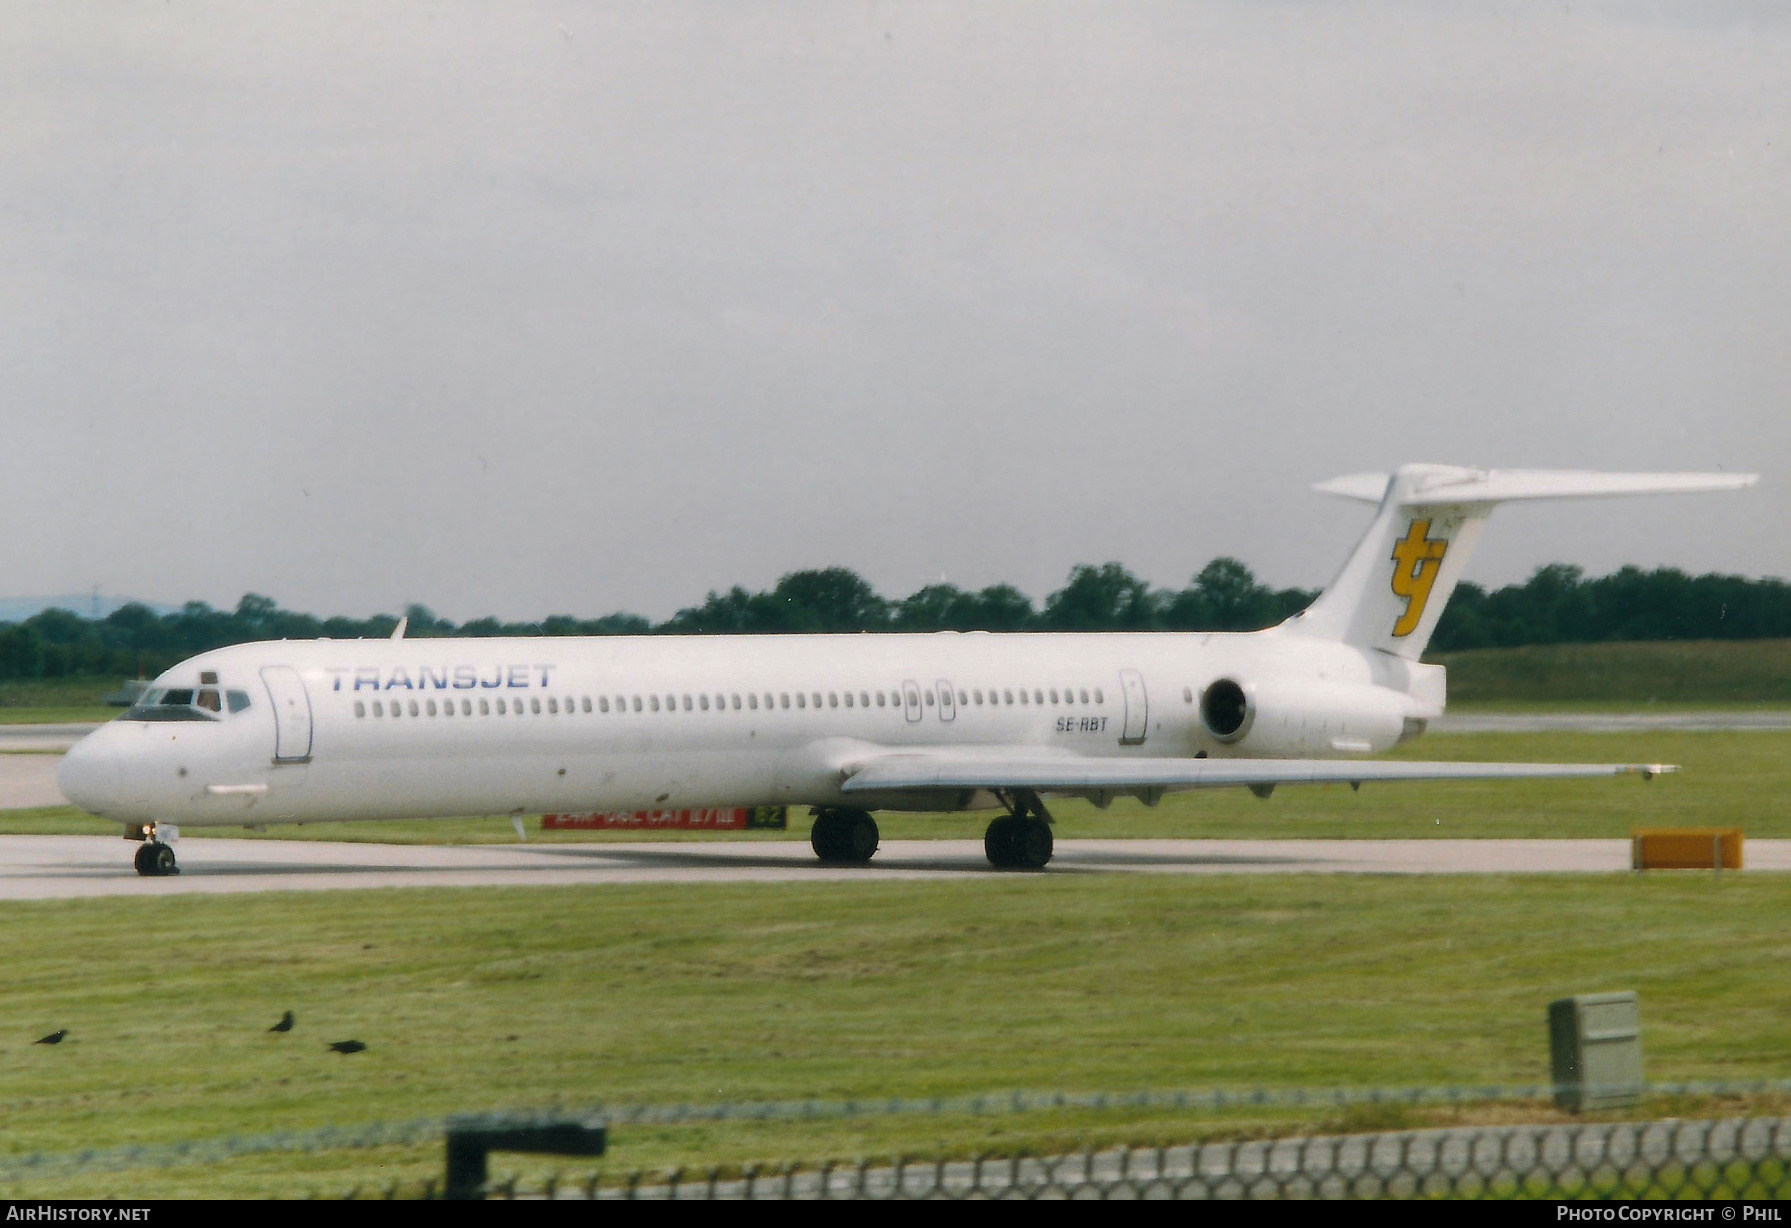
311, 731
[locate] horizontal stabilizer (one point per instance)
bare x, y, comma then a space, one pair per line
1392, 590
1445, 486
1073, 774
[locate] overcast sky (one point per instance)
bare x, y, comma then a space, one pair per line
536, 308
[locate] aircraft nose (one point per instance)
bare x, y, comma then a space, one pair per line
91, 775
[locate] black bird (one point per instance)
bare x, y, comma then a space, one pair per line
347, 1046
285, 1024
54, 1038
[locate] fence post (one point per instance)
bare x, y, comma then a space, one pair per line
470, 1145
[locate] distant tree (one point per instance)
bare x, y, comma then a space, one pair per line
735, 612
421, 621
829, 599
21, 652
615, 624
946, 607
58, 626
1105, 598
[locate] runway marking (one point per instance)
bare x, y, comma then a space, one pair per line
72, 867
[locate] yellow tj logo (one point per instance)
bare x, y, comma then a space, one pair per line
1420, 557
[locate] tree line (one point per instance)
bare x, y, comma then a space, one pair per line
1558, 604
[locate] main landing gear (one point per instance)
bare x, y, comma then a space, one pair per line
155, 859
1021, 838
844, 837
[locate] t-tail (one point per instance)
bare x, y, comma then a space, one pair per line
1392, 590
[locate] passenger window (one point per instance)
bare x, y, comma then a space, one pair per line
864, 699
466, 707
1099, 698
397, 709
413, 707
484, 707
926, 697
379, 709
705, 702
801, 700
848, 699
585, 703
736, 701
501, 710
1053, 694
880, 702
752, 701
1038, 696
360, 709
817, 699
1187, 694
430, 707
653, 702
1084, 694
447, 707
783, 699
1007, 697
833, 699
603, 703
553, 706
977, 696
963, 698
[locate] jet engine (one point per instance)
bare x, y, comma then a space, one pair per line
1290, 718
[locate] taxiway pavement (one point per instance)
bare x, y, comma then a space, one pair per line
68, 867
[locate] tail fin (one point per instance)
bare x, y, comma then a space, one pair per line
1392, 590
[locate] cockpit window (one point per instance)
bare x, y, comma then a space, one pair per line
177, 704
239, 700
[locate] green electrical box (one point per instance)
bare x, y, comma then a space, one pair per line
1595, 1042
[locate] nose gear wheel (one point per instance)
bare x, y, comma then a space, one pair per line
156, 860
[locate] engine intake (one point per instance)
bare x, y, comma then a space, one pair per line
1226, 710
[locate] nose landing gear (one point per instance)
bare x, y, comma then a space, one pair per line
155, 859
1020, 839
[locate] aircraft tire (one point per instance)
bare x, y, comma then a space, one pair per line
156, 860
859, 838
825, 837
1031, 844
845, 837
998, 842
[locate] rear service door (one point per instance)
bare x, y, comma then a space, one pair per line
1131, 685
292, 713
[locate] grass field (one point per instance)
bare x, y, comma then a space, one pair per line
507, 998
1697, 673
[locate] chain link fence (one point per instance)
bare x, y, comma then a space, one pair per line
1738, 1158
1747, 1158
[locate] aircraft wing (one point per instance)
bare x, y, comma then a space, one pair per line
1074, 774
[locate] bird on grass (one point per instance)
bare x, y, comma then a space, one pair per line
347, 1046
285, 1024
54, 1038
